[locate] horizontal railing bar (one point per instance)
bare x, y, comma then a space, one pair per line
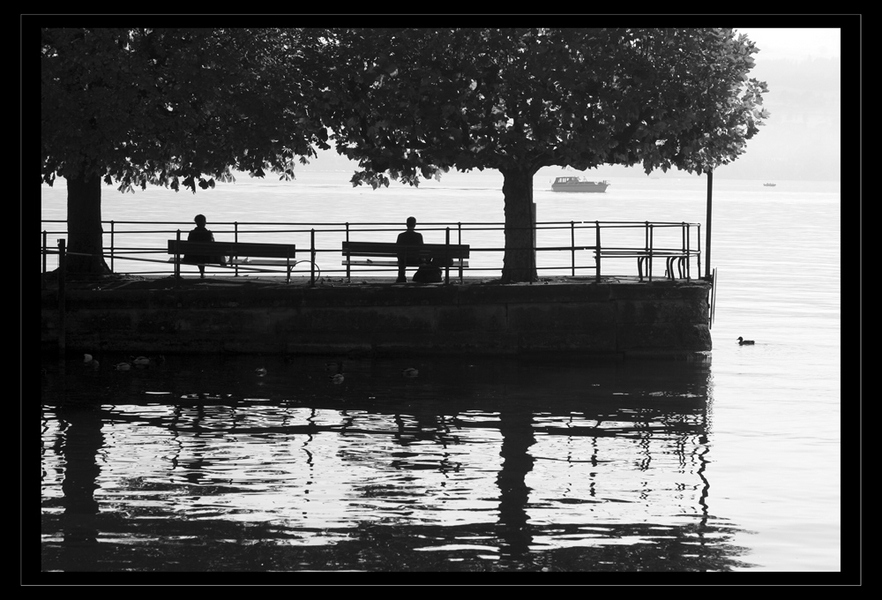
546, 231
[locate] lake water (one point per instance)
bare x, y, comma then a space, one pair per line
539, 464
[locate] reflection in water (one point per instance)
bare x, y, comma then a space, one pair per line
475, 465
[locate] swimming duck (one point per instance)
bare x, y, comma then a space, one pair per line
743, 342
261, 371
336, 378
90, 362
143, 362
123, 366
410, 372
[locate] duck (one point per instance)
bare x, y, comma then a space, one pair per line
336, 378
90, 362
261, 371
410, 372
123, 366
743, 342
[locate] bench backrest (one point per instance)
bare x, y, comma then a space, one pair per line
232, 249
393, 249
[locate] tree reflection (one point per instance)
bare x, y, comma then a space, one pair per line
78, 442
557, 442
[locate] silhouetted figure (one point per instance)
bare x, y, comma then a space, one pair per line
408, 256
201, 234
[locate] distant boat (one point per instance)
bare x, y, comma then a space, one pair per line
770, 184
578, 184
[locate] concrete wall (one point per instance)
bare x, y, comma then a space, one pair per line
606, 318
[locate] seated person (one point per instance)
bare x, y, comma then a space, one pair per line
201, 234
408, 256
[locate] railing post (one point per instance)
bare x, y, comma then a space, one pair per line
177, 257
597, 251
112, 241
312, 257
447, 258
44, 251
686, 244
62, 275
348, 280
235, 243
573, 249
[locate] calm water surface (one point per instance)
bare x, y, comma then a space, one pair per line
731, 463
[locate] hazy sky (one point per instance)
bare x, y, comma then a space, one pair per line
801, 137
794, 44
800, 140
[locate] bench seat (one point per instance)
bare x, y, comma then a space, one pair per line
237, 253
385, 255
672, 258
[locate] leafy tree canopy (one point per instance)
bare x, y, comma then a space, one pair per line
415, 102
183, 107
175, 107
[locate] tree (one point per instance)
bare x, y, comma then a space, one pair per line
418, 102
171, 107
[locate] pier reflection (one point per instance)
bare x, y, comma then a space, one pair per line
477, 464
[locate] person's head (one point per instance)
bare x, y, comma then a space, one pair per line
411, 222
200, 220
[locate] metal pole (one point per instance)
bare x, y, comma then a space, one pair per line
707, 244
572, 249
312, 257
447, 258
62, 266
178, 257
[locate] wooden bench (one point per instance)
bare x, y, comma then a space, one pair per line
384, 255
672, 258
237, 253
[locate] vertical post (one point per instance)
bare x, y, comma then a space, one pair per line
312, 257
112, 243
62, 275
235, 244
597, 250
178, 256
44, 251
447, 258
573, 248
686, 247
459, 242
707, 244
347, 255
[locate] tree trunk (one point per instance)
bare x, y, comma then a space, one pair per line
85, 235
519, 263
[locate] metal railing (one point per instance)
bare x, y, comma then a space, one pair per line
571, 247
